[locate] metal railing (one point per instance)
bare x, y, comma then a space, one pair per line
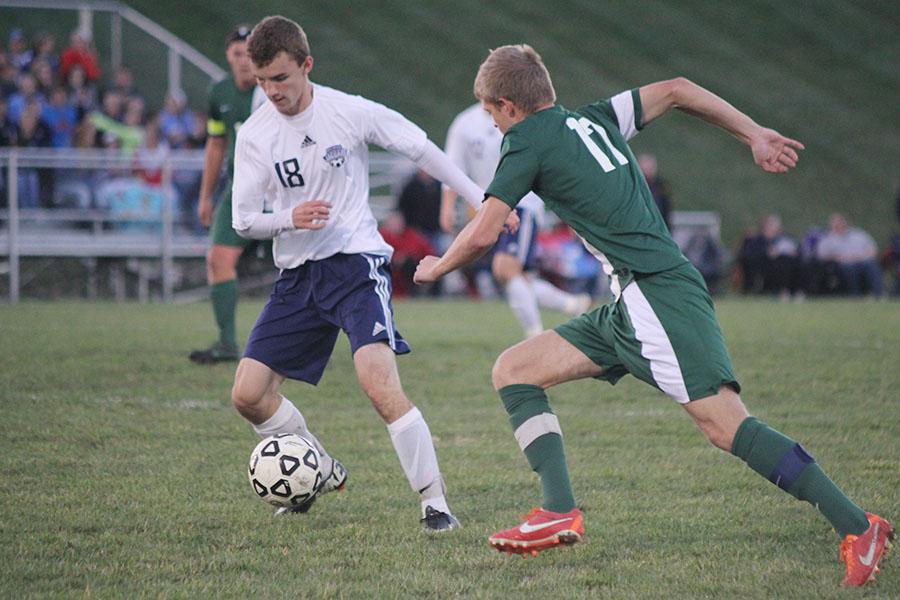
177, 48
92, 232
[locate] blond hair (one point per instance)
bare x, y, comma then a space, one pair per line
515, 73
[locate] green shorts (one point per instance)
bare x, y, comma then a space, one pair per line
221, 232
663, 330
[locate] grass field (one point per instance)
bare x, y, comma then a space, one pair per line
122, 472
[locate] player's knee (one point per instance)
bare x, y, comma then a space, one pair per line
245, 397
507, 371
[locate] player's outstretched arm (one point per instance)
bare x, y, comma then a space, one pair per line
772, 151
476, 238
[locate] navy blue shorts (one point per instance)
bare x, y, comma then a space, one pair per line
296, 331
521, 244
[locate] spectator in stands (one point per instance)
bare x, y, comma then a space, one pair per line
82, 54
133, 115
20, 55
112, 132
567, 264
151, 155
820, 277
706, 254
9, 76
44, 75
854, 251
410, 246
658, 188
28, 93
197, 137
752, 256
176, 119
782, 271
420, 205
45, 50
9, 130
113, 105
82, 95
32, 133
61, 117
123, 82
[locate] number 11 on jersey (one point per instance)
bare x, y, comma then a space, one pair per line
583, 127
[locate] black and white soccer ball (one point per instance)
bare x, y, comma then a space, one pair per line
285, 470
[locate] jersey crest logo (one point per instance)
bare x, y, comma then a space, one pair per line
336, 155
307, 142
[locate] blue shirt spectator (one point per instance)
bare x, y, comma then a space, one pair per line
61, 117
176, 120
27, 93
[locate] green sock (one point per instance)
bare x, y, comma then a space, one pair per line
785, 463
540, 438
224, 301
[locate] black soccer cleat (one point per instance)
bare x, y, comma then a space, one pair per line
216, 353
438, 521
297, 509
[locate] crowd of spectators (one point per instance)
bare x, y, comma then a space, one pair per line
60, 99
837, 260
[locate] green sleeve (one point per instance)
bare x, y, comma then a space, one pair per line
215, 126
517, 171
604, 110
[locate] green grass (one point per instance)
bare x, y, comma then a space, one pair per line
823, 72
122, 472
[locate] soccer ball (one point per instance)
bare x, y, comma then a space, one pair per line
285, 470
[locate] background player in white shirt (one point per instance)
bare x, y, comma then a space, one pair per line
473, 143
305, 154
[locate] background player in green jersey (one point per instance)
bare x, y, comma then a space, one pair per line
661, 327
230, 103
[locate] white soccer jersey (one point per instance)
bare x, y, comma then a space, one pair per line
320, 154
473, 143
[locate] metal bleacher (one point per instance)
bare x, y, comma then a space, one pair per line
149, 242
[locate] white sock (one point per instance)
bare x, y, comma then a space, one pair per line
287, 419
523, 302
550, 296
412, 441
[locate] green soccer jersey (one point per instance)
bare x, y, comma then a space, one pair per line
229, 107
580, 164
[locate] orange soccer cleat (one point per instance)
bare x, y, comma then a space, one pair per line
541, 530
861, 553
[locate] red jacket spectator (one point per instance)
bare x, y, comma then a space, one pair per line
80, 53
410, 247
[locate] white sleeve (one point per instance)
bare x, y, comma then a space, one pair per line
248, 195
392, 131
623, 104
438, 165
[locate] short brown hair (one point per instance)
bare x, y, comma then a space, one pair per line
518, 74
277, 34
